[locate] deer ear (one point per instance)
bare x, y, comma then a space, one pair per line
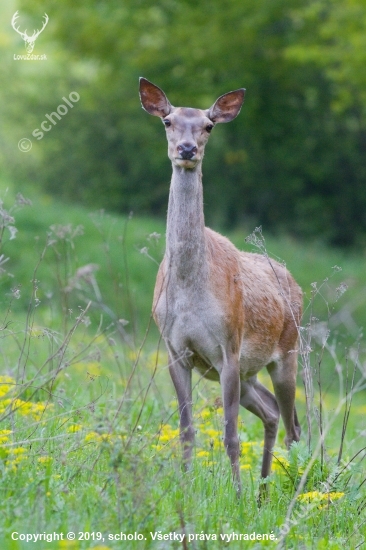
153, 99
227, 107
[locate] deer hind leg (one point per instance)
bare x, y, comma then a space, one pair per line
261, 402
283, 375
181, 376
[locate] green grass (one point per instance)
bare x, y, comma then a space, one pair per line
88, 433
124, 275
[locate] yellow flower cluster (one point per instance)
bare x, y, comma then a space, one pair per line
209, 440
280, 464
203, 454
316, 496
6, 385
44, 459
25, 408
100, 438
4, 436
74, 428
250, 452
209, 436
167, 433
11, 455
15, 456
167, 436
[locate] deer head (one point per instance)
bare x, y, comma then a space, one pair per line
188, 129
29, 40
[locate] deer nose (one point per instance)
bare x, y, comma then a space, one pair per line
187, 150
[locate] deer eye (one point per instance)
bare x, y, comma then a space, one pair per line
167, 122
209, 128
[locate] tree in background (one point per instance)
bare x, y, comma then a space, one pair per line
293, 161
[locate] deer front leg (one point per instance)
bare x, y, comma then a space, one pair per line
182, 380
230, 383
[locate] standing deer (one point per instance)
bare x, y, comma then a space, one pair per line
223, 312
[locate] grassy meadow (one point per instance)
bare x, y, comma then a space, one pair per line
89, 439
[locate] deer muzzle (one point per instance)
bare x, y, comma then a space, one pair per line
186, 151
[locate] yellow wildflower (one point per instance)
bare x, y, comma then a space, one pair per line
18, 451
24, 408
249, 447
44, 459
201, 454
158, 447
209, 463
206, 413
245, 467
74, 428
333, 496
6, 385
4, 436
17, 459
97, 438
201, 427
211, 432
167, 433
317, 496
217, 443
280, 464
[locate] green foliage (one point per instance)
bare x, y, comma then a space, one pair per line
85, 467
293, 160
89, 438
123, 253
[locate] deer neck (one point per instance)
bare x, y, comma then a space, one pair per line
186, 245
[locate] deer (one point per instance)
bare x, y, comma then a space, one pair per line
224, 313
29, 40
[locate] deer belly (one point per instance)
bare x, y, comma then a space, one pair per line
254, 357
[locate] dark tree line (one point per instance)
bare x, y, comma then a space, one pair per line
294, 160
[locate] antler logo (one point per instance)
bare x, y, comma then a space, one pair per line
29, 40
